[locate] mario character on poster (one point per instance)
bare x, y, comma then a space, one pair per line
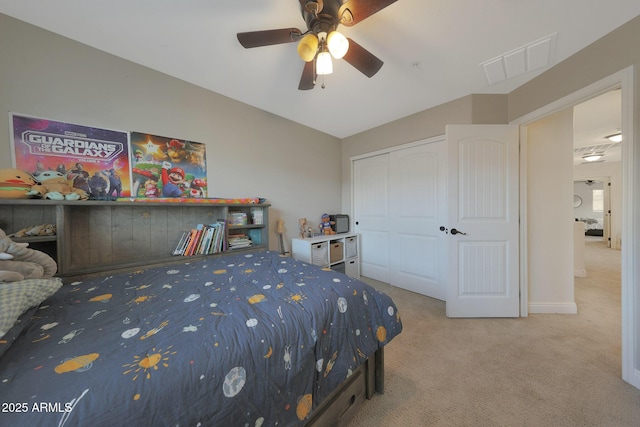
167, 167
92, 159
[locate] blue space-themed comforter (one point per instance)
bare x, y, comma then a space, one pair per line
246, 339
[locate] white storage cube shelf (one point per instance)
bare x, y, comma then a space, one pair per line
338, 251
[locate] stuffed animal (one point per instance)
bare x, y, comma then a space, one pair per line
15, 183
325, 225
36, 230
18, 262
54, 185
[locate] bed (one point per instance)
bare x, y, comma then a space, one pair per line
248, 339
593, 226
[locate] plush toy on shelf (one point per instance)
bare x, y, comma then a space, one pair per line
325, 225
54, 185
15, 183
36, 231
18, 262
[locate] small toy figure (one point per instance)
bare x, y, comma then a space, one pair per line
302, 223
325, 225
151, 189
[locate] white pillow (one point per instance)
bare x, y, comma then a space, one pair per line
17, 297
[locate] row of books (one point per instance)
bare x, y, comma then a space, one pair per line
205, 239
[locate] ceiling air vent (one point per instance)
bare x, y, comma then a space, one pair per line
527, 58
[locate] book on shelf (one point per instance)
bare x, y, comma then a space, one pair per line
237, 241
204, 239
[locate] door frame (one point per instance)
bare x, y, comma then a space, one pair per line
630, 288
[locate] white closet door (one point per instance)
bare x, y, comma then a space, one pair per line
418, 208
399, 205
371, 214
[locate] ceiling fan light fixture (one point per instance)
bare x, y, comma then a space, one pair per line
324, 65
616, 137
307, 47
338, 44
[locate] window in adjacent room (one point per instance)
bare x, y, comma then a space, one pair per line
598, 200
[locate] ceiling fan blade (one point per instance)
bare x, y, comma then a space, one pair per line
308, 78
363, 60
269, 37
354, 11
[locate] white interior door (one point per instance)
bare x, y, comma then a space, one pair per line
418, 255
371, 214
483, 221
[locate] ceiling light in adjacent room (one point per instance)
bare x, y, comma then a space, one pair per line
616, 137
592, 157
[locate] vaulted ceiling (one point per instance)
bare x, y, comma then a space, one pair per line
433, 51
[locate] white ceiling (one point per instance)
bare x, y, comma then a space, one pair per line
592, 121
433, 50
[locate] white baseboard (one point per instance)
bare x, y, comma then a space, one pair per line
553, 308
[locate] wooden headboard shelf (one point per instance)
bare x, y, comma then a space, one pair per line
98, 236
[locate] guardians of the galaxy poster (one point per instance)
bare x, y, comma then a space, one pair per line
91, 159
167, 167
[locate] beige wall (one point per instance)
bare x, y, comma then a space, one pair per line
550, 221
250, 153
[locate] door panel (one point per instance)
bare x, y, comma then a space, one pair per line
418, 208
371, 214
483, 203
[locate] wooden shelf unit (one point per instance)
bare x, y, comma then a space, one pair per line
97, 236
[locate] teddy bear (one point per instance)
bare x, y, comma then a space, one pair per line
54, 185
325, 225
19, 262
15, 183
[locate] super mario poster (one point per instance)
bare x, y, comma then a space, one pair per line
91, 159
167, 167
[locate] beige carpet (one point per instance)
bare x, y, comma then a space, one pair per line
543, 370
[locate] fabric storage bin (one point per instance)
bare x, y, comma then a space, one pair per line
350, 247
319, 254
352, 268
335, 251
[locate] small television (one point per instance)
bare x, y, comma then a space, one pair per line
340, 223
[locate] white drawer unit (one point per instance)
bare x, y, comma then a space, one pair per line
337, 251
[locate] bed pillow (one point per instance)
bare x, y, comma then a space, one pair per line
18, 297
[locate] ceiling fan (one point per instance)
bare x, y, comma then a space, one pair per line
321, 41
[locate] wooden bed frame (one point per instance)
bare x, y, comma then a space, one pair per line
346, 401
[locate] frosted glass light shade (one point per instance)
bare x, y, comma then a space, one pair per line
323, 64
338, 44
307, 47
